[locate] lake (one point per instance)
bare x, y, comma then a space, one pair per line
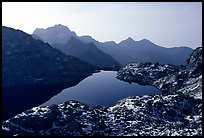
102, 88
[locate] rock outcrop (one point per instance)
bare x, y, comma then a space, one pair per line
168, 78
177, 112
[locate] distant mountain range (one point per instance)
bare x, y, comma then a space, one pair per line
110, 53
88, 52
177, 112
60, 37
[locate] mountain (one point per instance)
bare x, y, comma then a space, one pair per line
111, 48
89, 53
22, 56
177, 113
56, 34
125, 52
129, 50
146, 51
30, 66
60, 37
129, 42
88, 39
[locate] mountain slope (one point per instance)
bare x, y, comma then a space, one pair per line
170, 114
89, 53
125, 52
129, 50
22, 56
60, 37
33, 71
111, 48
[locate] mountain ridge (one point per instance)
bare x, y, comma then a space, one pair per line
33, 71
88, 52
174, 113
144, 50
63, 34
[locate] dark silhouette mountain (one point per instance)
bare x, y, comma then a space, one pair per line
28, 61
111, 48
36, 37
30, 65
60, 37
89, 53
144, 50
125, 52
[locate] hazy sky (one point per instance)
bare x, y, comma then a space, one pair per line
164, 23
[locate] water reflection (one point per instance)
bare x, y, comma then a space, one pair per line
103, 89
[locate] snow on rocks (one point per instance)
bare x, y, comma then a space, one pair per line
177, 112
168, 78
155, 115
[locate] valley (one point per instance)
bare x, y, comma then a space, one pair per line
76, 89
177, 113
102, 69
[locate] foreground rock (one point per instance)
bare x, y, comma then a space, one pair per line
177, 112
174, 114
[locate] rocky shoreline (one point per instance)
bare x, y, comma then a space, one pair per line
177, 112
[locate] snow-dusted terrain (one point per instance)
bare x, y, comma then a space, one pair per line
177, 112
174, 114
168, 78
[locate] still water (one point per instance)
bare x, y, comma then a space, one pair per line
103, 89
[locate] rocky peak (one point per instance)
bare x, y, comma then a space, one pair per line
61, 26
129, 39
56, 34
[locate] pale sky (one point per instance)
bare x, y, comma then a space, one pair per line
168, 24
